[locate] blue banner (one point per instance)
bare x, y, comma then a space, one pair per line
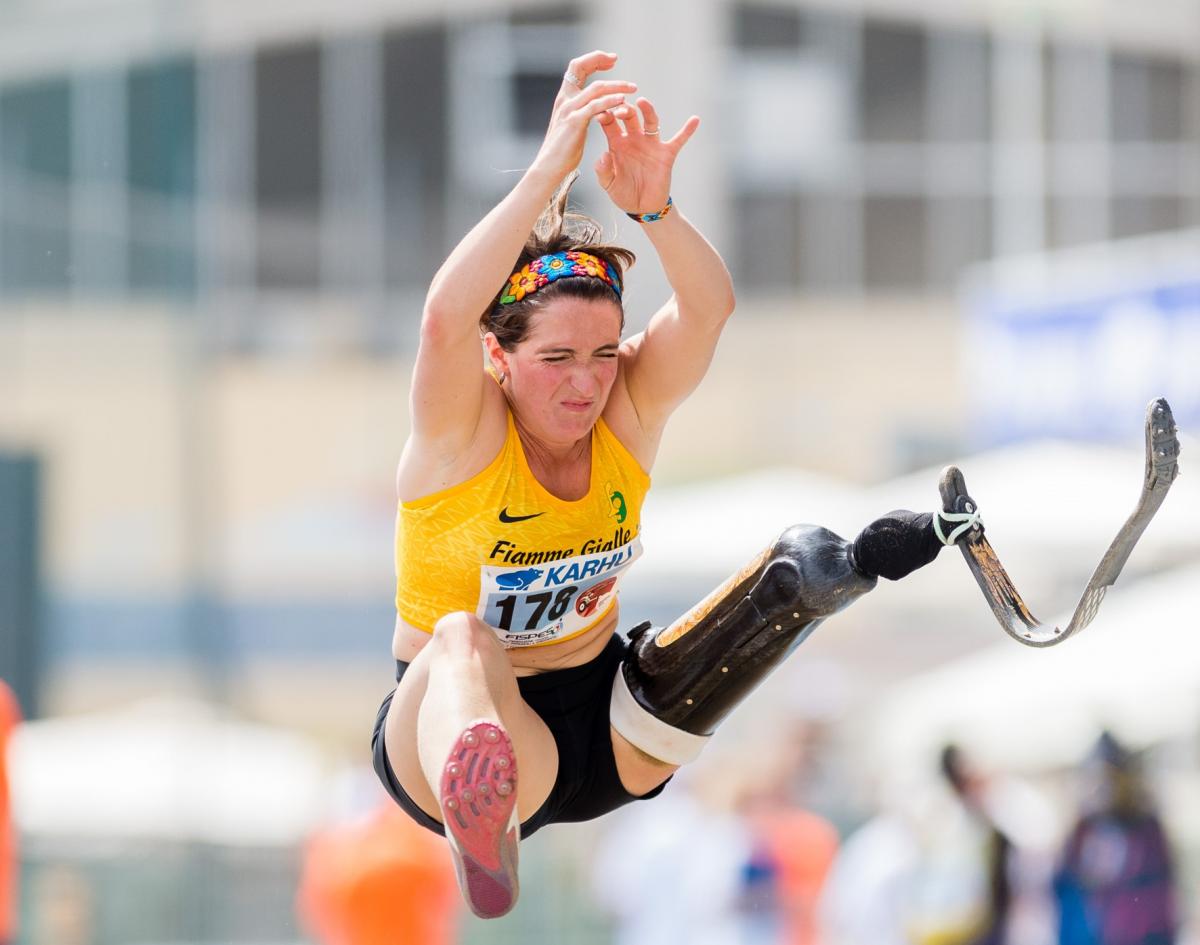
1077, 351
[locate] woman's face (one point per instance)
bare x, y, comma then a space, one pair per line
559, 377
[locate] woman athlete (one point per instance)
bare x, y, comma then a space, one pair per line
517, 702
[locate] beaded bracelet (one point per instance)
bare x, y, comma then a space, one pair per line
651, 217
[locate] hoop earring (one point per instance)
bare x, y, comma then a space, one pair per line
502, 377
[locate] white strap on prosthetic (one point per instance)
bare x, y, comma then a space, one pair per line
968, 519
647, 732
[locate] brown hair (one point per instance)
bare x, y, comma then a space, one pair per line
557, 230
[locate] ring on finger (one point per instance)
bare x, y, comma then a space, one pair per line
649, 132
571, 78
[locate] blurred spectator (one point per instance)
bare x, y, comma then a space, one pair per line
984, 908
940, 865
790, 855
381, 880
672, 872
866, 897
63, 907
10, 715
1115, 882
792, 849
760, 902
986, 860
725, 857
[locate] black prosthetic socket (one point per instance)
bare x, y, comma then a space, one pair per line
692, 673
895, 545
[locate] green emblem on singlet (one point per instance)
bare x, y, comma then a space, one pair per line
618, 506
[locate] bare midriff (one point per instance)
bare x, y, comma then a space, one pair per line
408, 641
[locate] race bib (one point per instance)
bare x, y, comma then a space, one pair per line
528, 605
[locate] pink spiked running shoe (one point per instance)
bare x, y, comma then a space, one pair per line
479, 808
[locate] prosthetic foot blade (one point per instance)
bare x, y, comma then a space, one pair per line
998, 589
1162, 454
1162, 468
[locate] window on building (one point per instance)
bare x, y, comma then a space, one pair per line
893, 82
1075, 219
417, 160
960, 92
792, 148
1138, 215
288, 166
960, 232
537, 38
161, 161
561, 14
830, 242
767, 241
35, 178
533, 92
1148, 97
503, 73
767, 27
895, 242
1149, 170
99, 221
1075, 80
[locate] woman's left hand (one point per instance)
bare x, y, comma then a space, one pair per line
635, 171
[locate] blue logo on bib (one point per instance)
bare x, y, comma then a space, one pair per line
518, 580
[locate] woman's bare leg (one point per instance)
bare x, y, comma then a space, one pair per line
639, 773
462, 675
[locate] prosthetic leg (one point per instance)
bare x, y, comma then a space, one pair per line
679, 682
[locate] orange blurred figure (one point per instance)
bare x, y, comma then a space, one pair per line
797, 846
382, 880
10, 715
802, 846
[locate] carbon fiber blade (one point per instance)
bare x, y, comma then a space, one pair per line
1161, 469
998, 588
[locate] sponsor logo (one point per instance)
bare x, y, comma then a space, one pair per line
590, 599
525, 639
583, 568
509, 519
518, 580
616, 500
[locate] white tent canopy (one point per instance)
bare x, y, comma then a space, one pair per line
165, 769
712, 528
1136, 670
1049, 497
1040, 499
1051, 509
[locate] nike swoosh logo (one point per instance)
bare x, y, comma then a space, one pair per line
509, 519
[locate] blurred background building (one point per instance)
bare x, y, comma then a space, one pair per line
218, 220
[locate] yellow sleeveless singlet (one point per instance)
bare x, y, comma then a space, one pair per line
536, 568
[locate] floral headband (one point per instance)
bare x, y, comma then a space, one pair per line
550, 268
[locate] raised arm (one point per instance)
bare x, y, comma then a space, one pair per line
668, 359
447, 391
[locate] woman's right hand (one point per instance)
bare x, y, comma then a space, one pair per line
575, 107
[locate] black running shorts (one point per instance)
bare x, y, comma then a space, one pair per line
573, 702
